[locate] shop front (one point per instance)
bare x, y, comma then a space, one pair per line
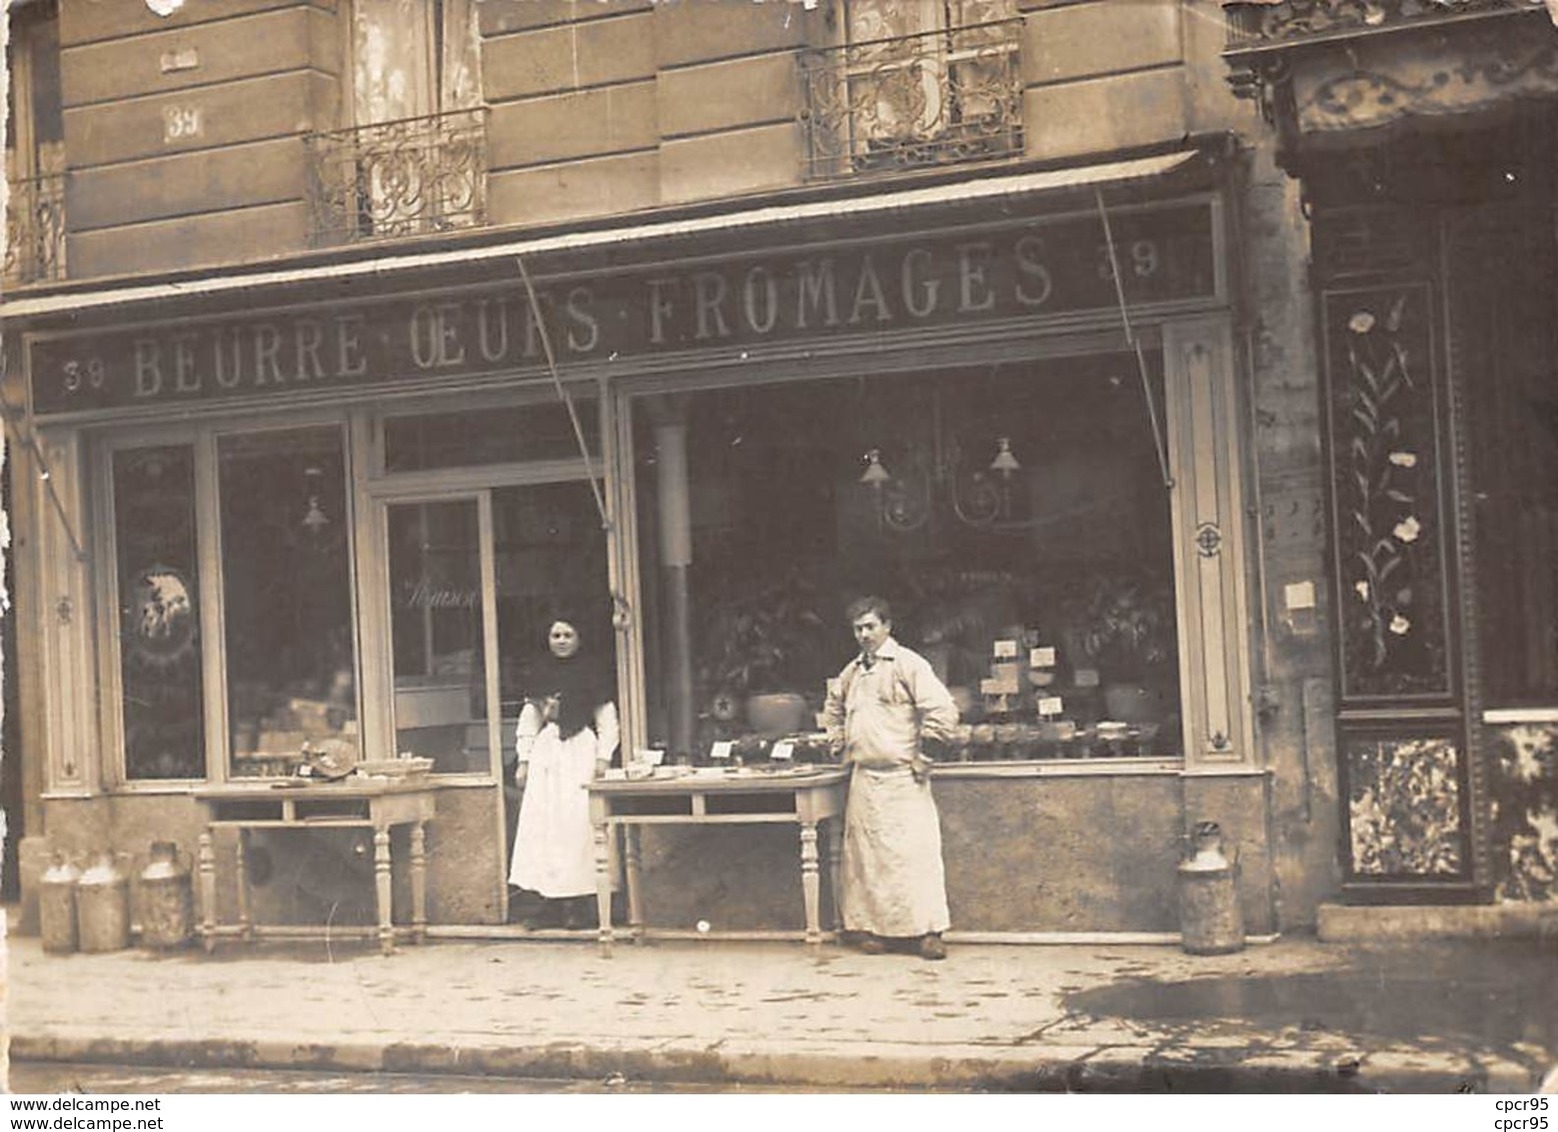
1422, 140
333, 512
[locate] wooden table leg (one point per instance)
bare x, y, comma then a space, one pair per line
241, 885
381, 876
811, 885
207, 865
634, 853
419, 882
603, 884
834, 831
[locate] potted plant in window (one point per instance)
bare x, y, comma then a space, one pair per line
1128, 635
762, 648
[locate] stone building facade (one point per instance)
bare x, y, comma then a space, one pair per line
1007, 310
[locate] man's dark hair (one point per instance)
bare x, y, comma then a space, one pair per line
869, 604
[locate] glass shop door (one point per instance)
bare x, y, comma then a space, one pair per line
475, 581
440, 639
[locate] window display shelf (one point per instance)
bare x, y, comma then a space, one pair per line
1027, 742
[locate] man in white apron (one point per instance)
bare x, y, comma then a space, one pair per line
881, 711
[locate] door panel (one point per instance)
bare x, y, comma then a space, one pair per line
437, 634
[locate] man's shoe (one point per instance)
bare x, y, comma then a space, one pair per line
931, 947
871, 944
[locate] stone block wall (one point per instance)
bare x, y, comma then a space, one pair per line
182, 134
1290, 643
1093, 853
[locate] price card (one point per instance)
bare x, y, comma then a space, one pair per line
1051, 705
1042, 657
783, 749
989, 687
1008, 678
721, 749
1086, 677
1005, 650
652, 757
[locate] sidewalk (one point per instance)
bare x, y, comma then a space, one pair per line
1291, 1015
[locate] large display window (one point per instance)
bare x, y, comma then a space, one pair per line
287, 596
1015, 516
234, 604
159, 622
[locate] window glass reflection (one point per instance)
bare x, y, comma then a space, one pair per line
287, 604
159, 613
1014, 516
436, 624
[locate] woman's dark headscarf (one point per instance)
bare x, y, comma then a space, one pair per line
580, 682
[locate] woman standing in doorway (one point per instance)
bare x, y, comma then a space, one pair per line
567, 736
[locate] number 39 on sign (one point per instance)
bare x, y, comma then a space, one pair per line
77, 374
180, 123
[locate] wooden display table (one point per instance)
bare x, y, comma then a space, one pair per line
378, 804
806, 796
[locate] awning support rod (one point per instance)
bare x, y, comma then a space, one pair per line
22, 423
562, 393
1135, 342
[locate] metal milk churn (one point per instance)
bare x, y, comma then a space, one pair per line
103, 906
166, 899
57, 905
1210, 922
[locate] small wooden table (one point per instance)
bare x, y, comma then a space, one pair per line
807, 796
378, 804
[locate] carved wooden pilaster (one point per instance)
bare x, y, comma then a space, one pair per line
73, 764
1209, 525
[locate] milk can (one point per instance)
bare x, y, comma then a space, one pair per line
166, 899
1210, 922
103, 906
57, 905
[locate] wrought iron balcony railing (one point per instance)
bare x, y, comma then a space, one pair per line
410, 177
1265, 23
940, 97
35, 230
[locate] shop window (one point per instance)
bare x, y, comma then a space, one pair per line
502, 435
914, 84
287, 597
34, 148
1015, 517
415, 160
160, 638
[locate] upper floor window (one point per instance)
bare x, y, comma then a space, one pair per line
34, 147
910, 84
415, 160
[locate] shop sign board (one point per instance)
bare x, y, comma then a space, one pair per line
1038, 270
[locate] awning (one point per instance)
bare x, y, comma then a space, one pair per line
1020, 185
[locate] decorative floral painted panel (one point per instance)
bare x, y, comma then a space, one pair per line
1385, 482
1524, 790
1404, 807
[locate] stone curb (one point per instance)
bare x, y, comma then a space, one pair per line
1089, 1069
